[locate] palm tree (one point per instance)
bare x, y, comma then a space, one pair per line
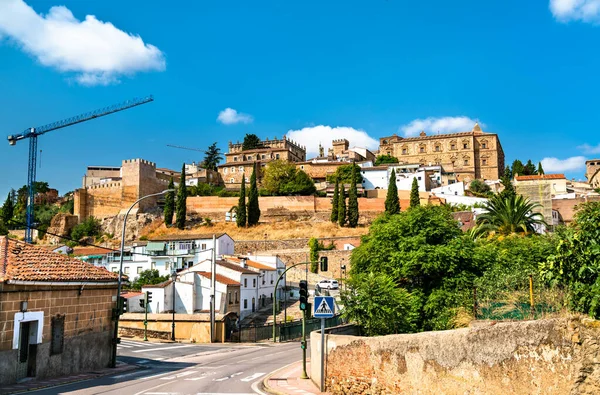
509, 214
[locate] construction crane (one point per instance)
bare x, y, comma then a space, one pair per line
33, 133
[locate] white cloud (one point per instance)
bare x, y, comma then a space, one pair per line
555, 165
584, 10
312, 136
97, 52
229, 116
442, 125
588, 149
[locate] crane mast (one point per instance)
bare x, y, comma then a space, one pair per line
33, 133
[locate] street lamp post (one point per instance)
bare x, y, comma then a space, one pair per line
173, 279
115, 339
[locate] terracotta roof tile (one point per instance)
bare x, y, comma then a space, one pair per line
220, 278
131, 294
541, 177
254, 264
20, 261
236, 267
178, 237
84, 251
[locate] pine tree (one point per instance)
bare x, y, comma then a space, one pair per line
212, 157
530, 169
415, 201
342, 206
334, 202
180, 207
508, 173
8, 209
169, 209
540, 169
253, 209
241, 207
392, 202
517, 168
353, 200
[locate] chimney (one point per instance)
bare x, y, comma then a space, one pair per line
243, 263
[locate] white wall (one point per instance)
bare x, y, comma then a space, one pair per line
184, 298
466, 200
456, 189
158, 304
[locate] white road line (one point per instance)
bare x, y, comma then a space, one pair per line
133, 344
154, 376
212, 367
123, 346
163, 348
252, 359
176, 376
124, 375
228, 377
254, 376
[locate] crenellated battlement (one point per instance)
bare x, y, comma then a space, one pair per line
106, 185
142, 161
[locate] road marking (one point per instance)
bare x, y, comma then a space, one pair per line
154, 376
212, 367
123, 346
228, 377
164, 348
124, 375
178, 375
252, 359
254, 376
133, 344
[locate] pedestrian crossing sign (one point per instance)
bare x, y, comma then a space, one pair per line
323, 307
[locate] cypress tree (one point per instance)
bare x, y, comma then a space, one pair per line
241, 207
8, 209
341, 212
540, 169
253, 209
180, 207
169, 209
415, 201
392, 202
334, 202
353, 200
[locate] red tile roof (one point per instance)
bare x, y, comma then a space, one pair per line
85, 251
131, 294
541, 177
254, 264
20, 261
236, 267
220, 278
182, 237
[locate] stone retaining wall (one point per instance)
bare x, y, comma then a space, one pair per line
552, 356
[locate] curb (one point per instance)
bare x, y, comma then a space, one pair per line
268, 377
126, 368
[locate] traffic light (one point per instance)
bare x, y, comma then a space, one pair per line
142, 304
324, 264
303, 295
148, 296
123, 304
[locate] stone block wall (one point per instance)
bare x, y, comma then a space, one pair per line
552, 356
87, 327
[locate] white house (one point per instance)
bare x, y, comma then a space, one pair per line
378, 177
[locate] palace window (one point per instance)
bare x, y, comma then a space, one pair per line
276, 156
421, 149
231, 180
235, 158
465, 145
437, 148
466, 162
232, 170
404, 151
241, 169
225, 171
452, 146
484, 162
484, 145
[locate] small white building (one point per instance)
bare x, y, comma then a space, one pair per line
378, 177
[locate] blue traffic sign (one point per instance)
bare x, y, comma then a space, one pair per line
324, 307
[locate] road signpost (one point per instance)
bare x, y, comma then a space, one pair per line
324, 307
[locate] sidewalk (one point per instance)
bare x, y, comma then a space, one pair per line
287, 381
39, 384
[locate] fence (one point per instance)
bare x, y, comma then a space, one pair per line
284, 332
524, 300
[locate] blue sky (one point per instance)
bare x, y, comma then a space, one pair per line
526, 70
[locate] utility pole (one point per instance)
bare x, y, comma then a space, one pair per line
212, 289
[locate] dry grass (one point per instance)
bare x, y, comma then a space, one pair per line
271, 231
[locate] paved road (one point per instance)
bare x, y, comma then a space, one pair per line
203, 369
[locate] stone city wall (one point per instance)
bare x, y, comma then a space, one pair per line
552, 356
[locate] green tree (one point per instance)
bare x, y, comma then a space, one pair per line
507, 215
507, 173
283, 178
424, 252
517, 168
384, 159
392, 202
415, 200
378, 306
575, 264
479, 187
344, 175
212, 157
241, 207
313, 245
90, 227
509, 189
353, 200
148, 277
251, 141
335, 202
169, 208
8, 209
3, 228
530, 169
341, 211
540, 169
253, 208
180, 206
